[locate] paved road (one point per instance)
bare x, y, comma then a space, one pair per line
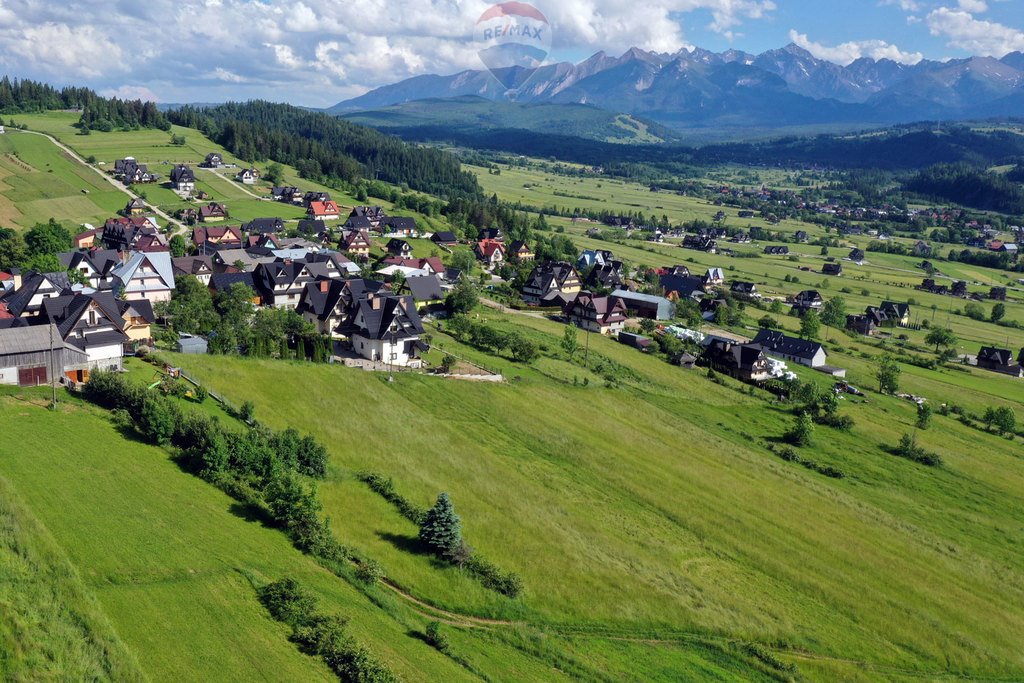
179, 227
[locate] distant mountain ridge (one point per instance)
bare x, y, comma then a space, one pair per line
697, 87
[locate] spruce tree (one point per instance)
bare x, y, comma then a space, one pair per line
441, 528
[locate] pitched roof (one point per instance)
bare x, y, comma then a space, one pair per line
34, 339
160, 261
221, 281
777, 342
389, 317
426, 288
683, 286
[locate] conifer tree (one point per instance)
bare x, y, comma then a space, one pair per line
441, 528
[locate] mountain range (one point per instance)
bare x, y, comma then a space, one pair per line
700, 88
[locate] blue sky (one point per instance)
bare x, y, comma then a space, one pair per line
317, 52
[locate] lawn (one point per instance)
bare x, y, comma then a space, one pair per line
656, 509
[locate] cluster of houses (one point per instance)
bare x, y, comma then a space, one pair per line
888, 314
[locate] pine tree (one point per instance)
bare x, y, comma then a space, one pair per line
441, 528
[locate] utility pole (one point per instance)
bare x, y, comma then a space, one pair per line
586, 351
53, 385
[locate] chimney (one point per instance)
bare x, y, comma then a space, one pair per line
325, 285
375, 302
16, 272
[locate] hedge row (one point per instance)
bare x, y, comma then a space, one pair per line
322, 635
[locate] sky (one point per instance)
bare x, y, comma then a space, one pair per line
318, 52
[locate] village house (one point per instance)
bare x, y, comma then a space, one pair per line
280, 283
998, 360
431, 265
27, 292
356, 244
744, 290
601, 314
444, 238
776, 250
212, 160
228, 236
199, 267
96, 324
714, 277
386, 328
682, 287
550, 279
832, 269
646, 305
520, 251
857, 256
745, 362
636, 341
807, 300
898, 313
124, 233
590, 258
134, 207
213, 213
248, 176
358, 223
490, 252
183, 179
426, 291
374, 214
330, 303
803, 351
145, 275
402, 225
397, 247
864, 323
324, 211
700, 243
607, 275
491, 234
287, 194
95, 266
29, 355
263, 226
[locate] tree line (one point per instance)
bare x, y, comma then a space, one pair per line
323, 147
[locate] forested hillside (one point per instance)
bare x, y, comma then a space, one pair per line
964, 184
98, 113
323, 147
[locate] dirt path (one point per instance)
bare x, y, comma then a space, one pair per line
454, 618
179, 227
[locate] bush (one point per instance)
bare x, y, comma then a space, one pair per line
909, 449
287, 601
491, 576
369, 571
436, 637
801, 432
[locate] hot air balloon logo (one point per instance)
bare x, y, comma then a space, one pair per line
513, 39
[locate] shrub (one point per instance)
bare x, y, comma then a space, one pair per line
491, 576
287, 601
801, 432
436, 637
158, 420
909, 449
369, 571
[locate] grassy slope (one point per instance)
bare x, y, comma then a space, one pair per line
51, 627
653, 508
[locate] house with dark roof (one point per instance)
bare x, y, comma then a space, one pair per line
199, 267
548, 278
397, 247
330, 304
682, 287
183, 178
801, 236
744, 290
93, 323
700, 243
135, 207
776, 250
607, 275
213, 160
95, 266
356, 244
263, 226
520, 251
803, 351
426, 291
601, 314
491, 234
386, 328
28, 292
374, 214
807, 300
861, 324
589, 258
444, 238
637, 341
123, 233
997, 294
646, 305
221, 282
959, 289
401, 225
312, 226
832, 269
287, 194
998, 360
745, 362
281, 282
897, 312
856, 255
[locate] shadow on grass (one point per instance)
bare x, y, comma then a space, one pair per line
414, 546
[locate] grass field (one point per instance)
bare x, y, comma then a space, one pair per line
656, 509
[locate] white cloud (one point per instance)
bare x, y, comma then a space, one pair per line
80, 51
853, 50
905, 5
973, 6
977, 36
131, 92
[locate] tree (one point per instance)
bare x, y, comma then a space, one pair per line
834, 312
274, 174
1004, 419
177, 245
802, 430
523, 350
768, 323
888, 374
924, 415
997, 312
810, 325
462, 299
940, 336
48, 238
441, 529
974, 311
190, 309
157, 420
570, 342
462, 260
13, 250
